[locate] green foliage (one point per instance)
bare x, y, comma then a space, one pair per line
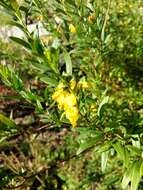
92, 50
7, 121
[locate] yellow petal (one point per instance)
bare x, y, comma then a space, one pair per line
40, 18
72, 84
60, 86
72, 115
56, 94
93, 108
72, 28
70, 100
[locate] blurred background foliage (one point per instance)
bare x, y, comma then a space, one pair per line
98, 45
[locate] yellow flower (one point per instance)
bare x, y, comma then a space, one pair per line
40, 18
72, 84
70, 101
56, 95
72, 115
60, 86
59, 93
72, 28
93, 108
60, 100
66, 101
91, 18
83, 85
60, 96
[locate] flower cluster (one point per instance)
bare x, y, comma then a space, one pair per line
67, 101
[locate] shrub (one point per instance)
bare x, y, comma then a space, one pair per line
91, 62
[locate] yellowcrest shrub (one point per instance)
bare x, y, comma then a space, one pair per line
95, 47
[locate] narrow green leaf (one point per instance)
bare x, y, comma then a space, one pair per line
105, 147
133, 174
17, 83
14, 4
126, 158
7, 121
141, 169
104, 159
119, 149
3, 4
126, 178
68, 62
86, 132
49, 81
5, 73
103, 102
31, 97
107, 39
14, 23
38, 46
136, 175
40, 66
24, 9
88, 143
135, 151
52, 58
122, 153
39, 106
21, 42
